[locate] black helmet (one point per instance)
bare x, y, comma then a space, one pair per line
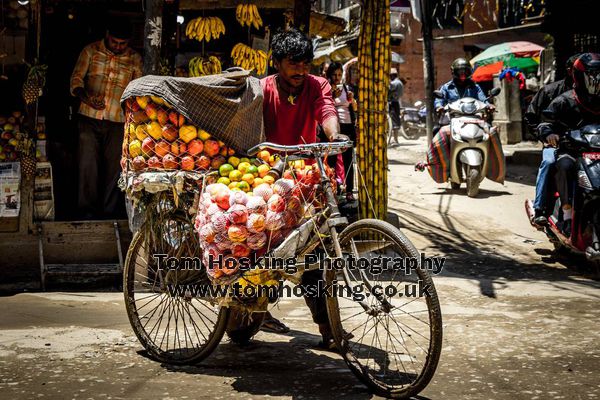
461, 70
586, 75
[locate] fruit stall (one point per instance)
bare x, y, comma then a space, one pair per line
42, 234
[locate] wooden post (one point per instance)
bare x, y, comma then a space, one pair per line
302, 15
428, 68
153, 36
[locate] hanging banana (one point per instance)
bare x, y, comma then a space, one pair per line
199, 66
246, 57
247, 15
205, 28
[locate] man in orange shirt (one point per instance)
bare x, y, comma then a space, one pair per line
102, 72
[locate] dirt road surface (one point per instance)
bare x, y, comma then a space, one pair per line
519, 323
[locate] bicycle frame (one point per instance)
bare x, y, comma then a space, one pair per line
331, 217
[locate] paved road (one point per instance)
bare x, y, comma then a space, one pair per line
518, 323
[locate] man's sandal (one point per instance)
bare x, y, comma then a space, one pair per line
274, 325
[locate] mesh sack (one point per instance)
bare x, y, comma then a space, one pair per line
237, 227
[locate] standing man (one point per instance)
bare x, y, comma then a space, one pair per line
102, 72
394, 96
294, 103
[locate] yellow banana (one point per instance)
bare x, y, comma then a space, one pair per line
200, 30
257, 17
188, 28
213, 27
207, 32
254, 19
250, 14
238, 13
245, 15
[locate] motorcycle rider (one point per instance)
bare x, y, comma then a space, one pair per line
571, 110
534, 117
460, 86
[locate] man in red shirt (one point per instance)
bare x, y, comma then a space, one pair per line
294, 103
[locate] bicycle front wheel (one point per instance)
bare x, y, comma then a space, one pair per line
173, 324
389, 333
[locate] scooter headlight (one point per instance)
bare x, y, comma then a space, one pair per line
468, 108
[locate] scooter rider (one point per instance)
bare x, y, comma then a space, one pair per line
534, 117
573, 109
460, 86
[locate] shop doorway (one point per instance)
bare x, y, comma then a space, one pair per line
67, 27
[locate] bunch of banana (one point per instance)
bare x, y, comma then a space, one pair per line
199, 66
248, 58
205, 28
247, 14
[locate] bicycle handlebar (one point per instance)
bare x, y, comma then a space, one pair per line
312, 148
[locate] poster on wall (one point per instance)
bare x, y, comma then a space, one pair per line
10, 179
43, 195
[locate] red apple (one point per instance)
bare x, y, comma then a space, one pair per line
152, 111
138, 163
288, 174
154, 162
162, 116
169, 162
211, 148
162, 148
148, 146
222, 199
6, 135
176, 119
203, 162
187, 163
195, 147
177, 148
170, 133
217, 162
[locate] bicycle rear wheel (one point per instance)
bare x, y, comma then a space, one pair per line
391, 342
173, 324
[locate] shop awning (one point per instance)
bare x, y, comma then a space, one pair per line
326, 26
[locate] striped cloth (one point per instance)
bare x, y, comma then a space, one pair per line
102, 73
438, 159
228, 105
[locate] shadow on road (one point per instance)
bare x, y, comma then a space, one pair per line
480, 254
264, 368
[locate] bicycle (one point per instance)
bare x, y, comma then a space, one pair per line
411, 329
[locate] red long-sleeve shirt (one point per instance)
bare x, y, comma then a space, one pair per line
289, 124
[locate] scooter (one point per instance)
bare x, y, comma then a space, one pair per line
413, 120
584, 235
471, 129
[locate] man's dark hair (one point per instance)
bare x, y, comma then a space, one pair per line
334, 66
292, 44
119, 28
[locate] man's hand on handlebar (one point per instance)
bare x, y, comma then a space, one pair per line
338, 137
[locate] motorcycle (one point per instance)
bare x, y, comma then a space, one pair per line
471, 129
413, 120
585, 226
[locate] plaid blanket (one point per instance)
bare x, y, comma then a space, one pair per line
227, 105
438, 159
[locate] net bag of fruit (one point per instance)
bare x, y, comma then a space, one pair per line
239, 224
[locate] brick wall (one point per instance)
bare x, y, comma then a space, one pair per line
445, 51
